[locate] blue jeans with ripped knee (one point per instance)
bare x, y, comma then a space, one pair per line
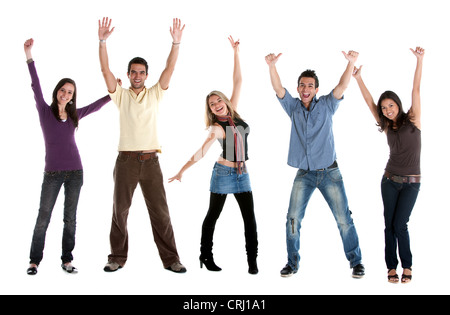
329, 182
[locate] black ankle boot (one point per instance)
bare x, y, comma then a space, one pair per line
252, 266
209, 263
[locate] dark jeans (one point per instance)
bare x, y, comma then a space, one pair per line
398, 200
217, 201
128, 172
72, 181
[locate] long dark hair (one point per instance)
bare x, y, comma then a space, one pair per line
71, 107
402, 118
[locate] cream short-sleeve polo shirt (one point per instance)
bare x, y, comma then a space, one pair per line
138, 118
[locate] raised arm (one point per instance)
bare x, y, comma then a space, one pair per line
35, 83
176, 32
271, 60
365, 93
197, 155
237, 74
339, 90
104, 31
415, 111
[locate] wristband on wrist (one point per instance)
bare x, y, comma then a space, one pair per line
102, 40
175, 43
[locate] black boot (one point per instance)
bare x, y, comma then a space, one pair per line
206, 245
251, 247
209, 262
252, 266
245, 201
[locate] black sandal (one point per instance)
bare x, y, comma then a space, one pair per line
406, 278
392, 278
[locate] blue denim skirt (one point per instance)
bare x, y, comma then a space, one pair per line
226, 180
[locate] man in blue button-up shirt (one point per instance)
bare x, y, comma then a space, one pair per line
312, 151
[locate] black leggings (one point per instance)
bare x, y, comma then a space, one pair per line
216, 203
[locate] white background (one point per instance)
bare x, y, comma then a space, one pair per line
310, 34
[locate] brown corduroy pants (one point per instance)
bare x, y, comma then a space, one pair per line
128, 172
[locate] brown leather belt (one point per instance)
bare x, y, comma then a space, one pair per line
402, 179
141, 156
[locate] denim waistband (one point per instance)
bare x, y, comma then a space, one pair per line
233, 170
63, 172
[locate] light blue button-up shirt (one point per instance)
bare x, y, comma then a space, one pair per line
312, 141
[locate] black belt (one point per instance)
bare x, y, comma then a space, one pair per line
334, 165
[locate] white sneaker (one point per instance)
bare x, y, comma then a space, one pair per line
68, 267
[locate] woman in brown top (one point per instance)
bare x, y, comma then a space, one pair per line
401, 181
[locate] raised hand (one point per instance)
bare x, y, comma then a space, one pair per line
357, 72
28, 46
271, 59
234, 44
351, 56
104, 28
176, 31
419, 52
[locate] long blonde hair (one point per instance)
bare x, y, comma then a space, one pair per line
210, 118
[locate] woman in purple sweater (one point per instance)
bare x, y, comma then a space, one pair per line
62, 161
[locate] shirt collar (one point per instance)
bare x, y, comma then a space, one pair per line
311, 106
137, 96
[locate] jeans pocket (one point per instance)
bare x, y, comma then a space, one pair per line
79, 176
335, 175
155, 161
222, 172
122, 157
49, 177
301, 173
415, 186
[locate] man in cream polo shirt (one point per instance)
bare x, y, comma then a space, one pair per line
138, 114
137, 161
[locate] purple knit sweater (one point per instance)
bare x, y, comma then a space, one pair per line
61, 151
